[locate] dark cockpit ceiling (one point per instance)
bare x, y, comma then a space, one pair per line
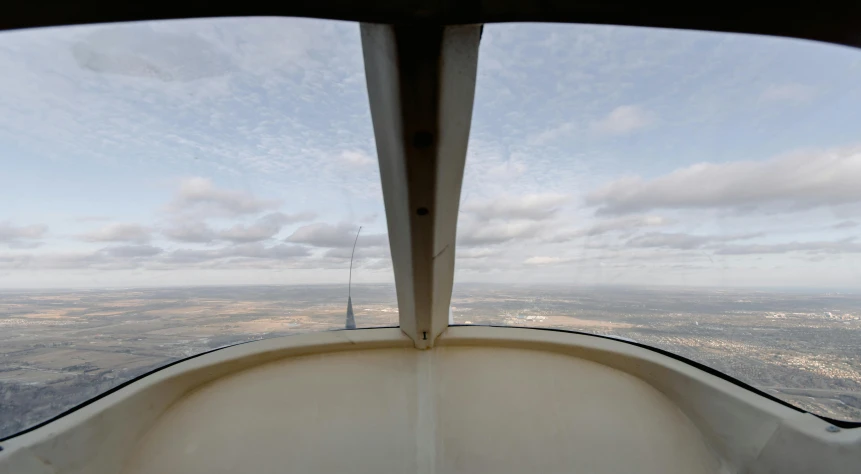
824, 20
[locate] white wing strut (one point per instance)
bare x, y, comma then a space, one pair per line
421, 85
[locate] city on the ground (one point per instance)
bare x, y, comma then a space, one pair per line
59, 348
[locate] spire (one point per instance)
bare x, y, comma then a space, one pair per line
351, 320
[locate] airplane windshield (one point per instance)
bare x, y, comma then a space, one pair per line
174, 187
695, 192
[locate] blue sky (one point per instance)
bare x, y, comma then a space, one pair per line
241, 151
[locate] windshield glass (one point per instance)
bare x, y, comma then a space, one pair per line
173, 187
696, 192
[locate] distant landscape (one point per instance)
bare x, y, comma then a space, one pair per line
60, 348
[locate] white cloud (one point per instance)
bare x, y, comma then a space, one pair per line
21, 236
618, 224
202, 197
335, 236
118, 232
681, 241
669, 240
472, 234
265, 107
822, 247
801, 180
542, 260
150, 257
264, 228
623, 120
253, 233
92, 219
132, 251
141, 51
792, 92
552, 134
108, 258
344, 253
252, 251
189, 231
845, 225
356, 158
476, 253
530, 207
277, 108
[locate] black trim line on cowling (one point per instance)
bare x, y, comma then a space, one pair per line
705, 368
147, 374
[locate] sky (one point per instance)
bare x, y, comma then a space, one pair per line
241, 151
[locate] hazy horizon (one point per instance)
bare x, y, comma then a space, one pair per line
520, 285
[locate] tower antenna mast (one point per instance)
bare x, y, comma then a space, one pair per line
351, 319
350, 282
